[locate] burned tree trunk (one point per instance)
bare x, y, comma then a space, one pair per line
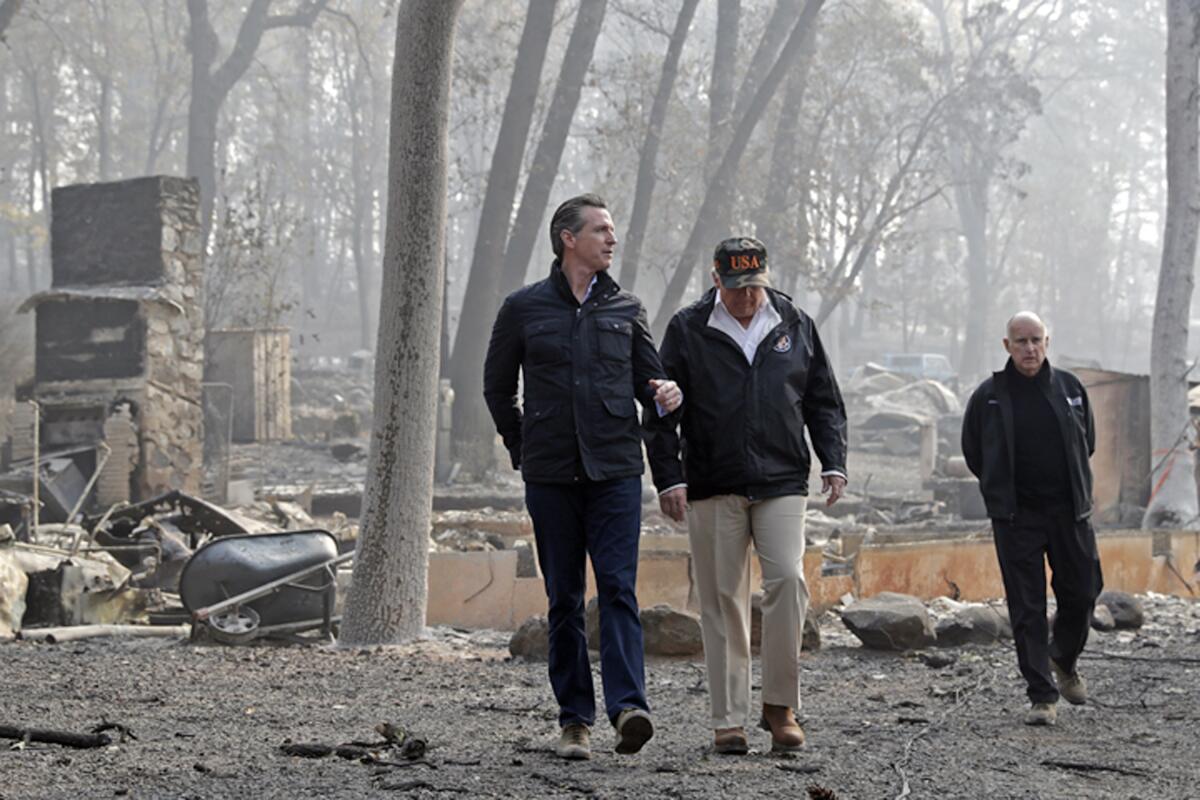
472, 424
1173, 486
723, 178
387, 602
643, 193
8, 10
472, 421
544, 169
211, 86
784, 173
720, 87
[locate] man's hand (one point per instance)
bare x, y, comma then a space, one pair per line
674, 503
834, 486
666, 394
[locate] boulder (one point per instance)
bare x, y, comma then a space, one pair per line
1127, 610
531, 641
890, 621
811, 637
668, 631
975, 623
1102, 619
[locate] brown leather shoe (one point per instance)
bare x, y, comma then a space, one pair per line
786, 734
731, 741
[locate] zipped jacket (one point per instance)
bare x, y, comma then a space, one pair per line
742, 425
987, 439
583, 367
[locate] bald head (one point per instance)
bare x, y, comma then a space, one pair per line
1025, 318
1026, 342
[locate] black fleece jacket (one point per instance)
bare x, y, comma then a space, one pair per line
988, 439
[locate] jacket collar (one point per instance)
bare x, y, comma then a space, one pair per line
605, 285
783, 305
1043, 378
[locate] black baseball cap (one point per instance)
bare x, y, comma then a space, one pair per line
741, 261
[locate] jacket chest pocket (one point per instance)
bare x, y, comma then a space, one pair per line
614, 339
1077, 413
547, 342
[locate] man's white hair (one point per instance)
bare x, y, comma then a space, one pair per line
1025, 316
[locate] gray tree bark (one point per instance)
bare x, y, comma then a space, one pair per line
723, 178
720, 85
387, 601
8, 10
544, 169
1173, 487
211, 86
643, 193
472, 427
474, 424
784, 174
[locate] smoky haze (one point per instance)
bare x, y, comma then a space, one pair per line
916, 174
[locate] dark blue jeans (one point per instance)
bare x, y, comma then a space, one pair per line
600, 519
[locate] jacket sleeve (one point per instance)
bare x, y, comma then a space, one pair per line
647, 365
504, 355
660, 433
972, 444
824, 411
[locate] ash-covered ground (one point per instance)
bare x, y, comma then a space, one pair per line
210, 721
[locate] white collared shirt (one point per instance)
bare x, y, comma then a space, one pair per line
751, 336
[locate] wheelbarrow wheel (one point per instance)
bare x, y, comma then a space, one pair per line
235, 626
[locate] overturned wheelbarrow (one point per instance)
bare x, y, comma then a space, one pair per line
241, 588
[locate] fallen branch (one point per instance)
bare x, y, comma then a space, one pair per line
74, 633
803, 769
1082, 766
82, 741
960, 698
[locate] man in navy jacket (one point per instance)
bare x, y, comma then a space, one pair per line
585, 352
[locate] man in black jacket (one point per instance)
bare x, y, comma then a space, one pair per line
585, 352
1027, 435
755, 376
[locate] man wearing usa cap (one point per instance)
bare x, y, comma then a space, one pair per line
755, 376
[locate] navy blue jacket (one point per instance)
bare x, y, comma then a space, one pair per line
583, 368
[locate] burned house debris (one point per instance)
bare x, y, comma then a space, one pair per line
119, 341
132, 418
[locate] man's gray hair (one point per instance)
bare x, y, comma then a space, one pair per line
1025, 316
569, 217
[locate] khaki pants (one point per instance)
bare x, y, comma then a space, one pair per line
721, 529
